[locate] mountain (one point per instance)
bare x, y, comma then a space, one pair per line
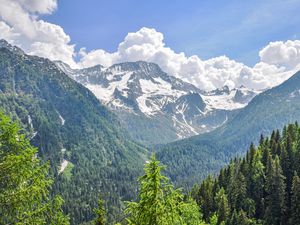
156, 107
261, 188
88, 150
192, 159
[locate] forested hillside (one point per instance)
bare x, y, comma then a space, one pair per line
261, 188
194, 158
88, 151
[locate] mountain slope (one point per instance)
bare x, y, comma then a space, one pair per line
261, 188
156, 107
192, 159
88, 151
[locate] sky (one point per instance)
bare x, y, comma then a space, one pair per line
208, 43
237, 29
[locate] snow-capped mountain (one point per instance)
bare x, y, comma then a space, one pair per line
156, 107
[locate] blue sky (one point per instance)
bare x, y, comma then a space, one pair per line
238, 29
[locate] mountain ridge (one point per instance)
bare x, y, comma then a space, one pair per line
66, 122
141, 91
205, 154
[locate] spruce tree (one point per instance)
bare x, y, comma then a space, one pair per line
237, 187
295, 201
222, 206
24, 181
257, 184
275, 194
206, 198
158, 203
100, 213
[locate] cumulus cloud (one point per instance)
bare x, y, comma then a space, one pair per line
20, 25
286, 54
278, 61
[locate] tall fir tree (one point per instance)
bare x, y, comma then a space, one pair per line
100, 213
24, 181
158, 203
205, 198
295, 201
222, 205
275, 194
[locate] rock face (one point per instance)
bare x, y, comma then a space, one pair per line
156, 107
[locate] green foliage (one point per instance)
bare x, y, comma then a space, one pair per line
255, 189
222, 206
205, 197
24, 181
295, 202
158, 203
100, 213
275, 198
36, 93
68, 170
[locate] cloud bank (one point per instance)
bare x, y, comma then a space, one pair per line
21, 26
278, 60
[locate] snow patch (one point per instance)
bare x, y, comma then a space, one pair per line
105, 94
224, 101
30, 122
156, 95
63, 166
62, 120
294, 93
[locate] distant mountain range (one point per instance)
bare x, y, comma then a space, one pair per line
81, 121
155, 107
190, 160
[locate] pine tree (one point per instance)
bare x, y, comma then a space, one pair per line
295, 202
158, 203
206, 198
222, 206
257, 184
276, 194
237, 187
24, 181
234, 218
100, 213
287, 167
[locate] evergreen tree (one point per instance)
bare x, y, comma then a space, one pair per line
237, 187
257, 184
276, 194
158, 203
24, 181
234, 218
100, 213
206, 198
295, 202
222, 204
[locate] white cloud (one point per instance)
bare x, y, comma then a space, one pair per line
39, 6
279, 60
20, 25
286, 54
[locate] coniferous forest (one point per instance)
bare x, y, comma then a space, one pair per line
149, 112
261, 188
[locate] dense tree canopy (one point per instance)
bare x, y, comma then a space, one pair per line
24, 181
261, 188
